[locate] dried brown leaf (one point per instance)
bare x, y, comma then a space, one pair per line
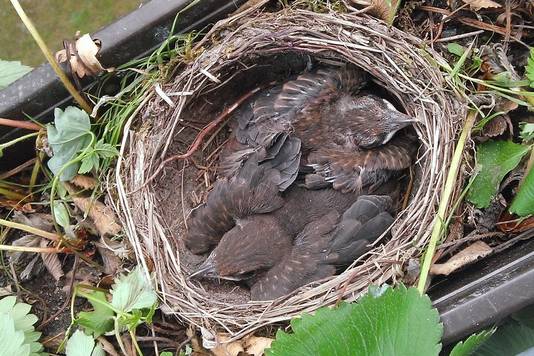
227, 349
476, 5
102, 215
39, 221
82, 57
84, 182
468, 255
51, 262
110, 251
256, 346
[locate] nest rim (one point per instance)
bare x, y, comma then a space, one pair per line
397, 60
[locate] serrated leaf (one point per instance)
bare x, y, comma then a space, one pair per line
105, 150
456, 49
88, 163
523, 203
100, 320
133, 291
61, 214
11, 339
11, 71
399, 322
22, 322
495, 159
70, 134
512, 338
80, 344
473, 342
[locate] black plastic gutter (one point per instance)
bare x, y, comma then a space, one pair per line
487, 292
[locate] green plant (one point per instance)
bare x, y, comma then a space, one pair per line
17, 333
74, 145
133, 302
11, 71
495, 159
80, 344
385, 321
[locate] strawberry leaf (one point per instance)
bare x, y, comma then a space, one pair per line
100, 320
495, 159
398, 321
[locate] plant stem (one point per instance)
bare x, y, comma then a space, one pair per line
30, 229
134, 341
30, 249
17, 140
35, 171
28, 125
10, 194
439, 225
50, 58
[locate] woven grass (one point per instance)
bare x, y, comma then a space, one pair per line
398, 61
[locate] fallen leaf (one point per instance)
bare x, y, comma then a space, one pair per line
51, 262
225, 348
39, 221
110, 251
24, 241
470, 254
84, 182
102, 215
476, 5
256, 346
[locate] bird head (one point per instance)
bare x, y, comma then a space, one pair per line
253, 244
373, 120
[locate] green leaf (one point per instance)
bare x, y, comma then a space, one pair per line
456, 49
100, 320
512, 338
88, 163
527, 131
523, 203
11, 339
80, 344
19, 315
166, 353
133, 291
105, 150
61, 214
473, 342
495, 159
398, 322
70, 134
11, 71
529, 69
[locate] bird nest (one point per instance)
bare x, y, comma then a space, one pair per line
254, 48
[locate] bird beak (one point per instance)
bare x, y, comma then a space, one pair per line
405, 120
206, 269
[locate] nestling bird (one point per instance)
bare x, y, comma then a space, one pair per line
319, 116
307, 235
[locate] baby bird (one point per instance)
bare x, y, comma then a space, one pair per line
241, 201
303, 240
317, 116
